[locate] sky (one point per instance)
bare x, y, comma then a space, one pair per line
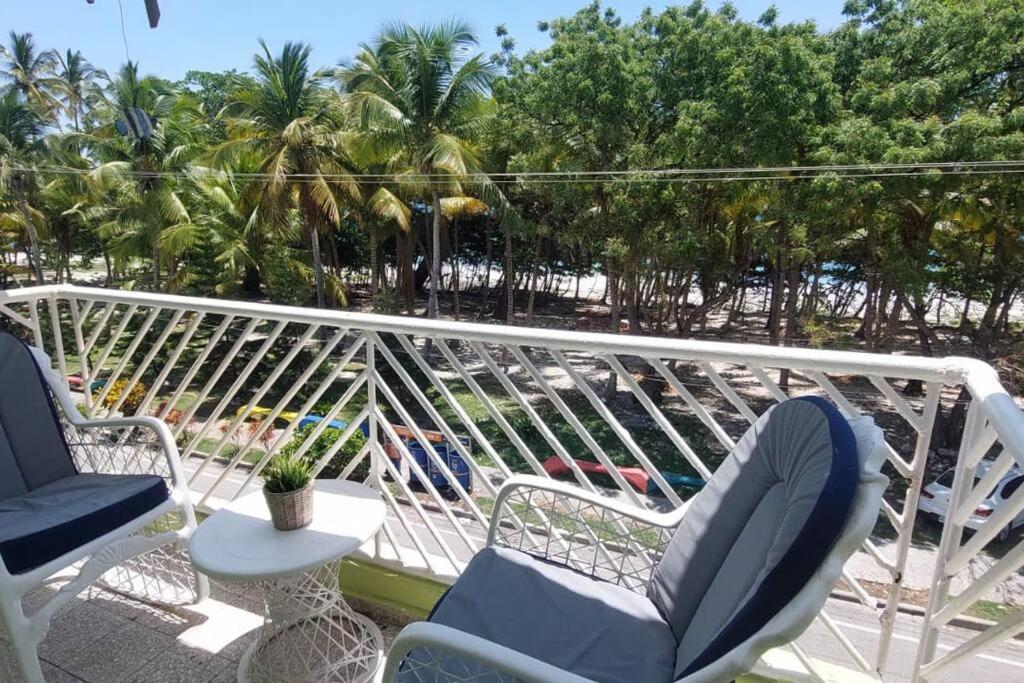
215, 35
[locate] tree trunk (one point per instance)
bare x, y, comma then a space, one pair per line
33, 241
792, 305
405, 272
156, 267
487, 273
510, 284
775, 307
533, 279
374, 271
109, 266
435, 255
612, 288
455, 269
318, 266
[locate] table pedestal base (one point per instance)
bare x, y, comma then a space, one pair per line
311, 634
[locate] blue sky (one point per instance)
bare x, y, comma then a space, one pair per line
221, 34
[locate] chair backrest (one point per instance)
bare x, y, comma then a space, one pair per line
33, 449
756, 534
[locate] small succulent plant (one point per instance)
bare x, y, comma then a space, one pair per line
284, 474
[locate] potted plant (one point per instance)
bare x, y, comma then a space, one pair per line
288, 488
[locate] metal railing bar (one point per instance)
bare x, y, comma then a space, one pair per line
101, 324
208, 348
435, 417
905, 527
226, 361
493, 411
702, 414
414, 501
269, 382
148, 358
58, 337
126, 357
170, 364
902, 407
457, 407
666, 426
83, 359
576, 425
907, 367
1005, 629
327, 381
621, 432
435, 458
267, 421
535, 419
727, 391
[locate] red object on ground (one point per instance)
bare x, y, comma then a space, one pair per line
76, 381
637, 477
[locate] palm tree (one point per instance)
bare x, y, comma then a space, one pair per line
30, 71
421, 97
73, 82
21, 127
293, 124
143, 176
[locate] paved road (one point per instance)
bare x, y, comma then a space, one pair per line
1004, 662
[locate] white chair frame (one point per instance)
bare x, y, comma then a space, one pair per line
643, 534
142, 445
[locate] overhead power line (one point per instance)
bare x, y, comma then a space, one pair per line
635, 176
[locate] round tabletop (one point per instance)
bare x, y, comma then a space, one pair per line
239, 542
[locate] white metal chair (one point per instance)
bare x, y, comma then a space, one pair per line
106, 499
574, 586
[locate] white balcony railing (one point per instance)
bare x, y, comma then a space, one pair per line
209, 367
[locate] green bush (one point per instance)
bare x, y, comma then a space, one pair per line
323, 444
284, 277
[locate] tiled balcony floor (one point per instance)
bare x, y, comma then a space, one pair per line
102, 637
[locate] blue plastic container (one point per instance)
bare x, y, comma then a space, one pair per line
420, 456
450, 456
458, 466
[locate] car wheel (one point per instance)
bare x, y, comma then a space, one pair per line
1004, 534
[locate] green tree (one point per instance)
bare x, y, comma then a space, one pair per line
74, 82
294, 125
30, 71
21, 127
420, 97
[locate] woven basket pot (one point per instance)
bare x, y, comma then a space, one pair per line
291, 510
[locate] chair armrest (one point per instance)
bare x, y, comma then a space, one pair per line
124, 445
437, 644
589, 532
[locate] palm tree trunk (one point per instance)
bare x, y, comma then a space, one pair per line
455, 269
33, 241
435, 257
318, 267
374, 273
156, 267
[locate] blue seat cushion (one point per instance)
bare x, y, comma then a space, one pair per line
65, 514
594, 629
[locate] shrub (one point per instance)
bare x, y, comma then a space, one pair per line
388, 302
283, 474
131, 402
285, 278
324, 442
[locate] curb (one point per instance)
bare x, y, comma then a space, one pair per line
973, 623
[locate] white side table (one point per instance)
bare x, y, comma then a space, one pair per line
310, 633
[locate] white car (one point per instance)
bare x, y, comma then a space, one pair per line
934, 499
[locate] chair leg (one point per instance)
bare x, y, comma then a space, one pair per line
23, 640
